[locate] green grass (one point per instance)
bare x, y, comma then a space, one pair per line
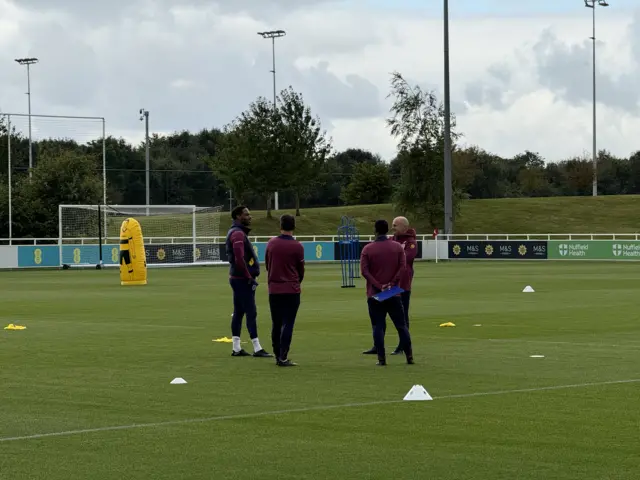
97, 355
604, 214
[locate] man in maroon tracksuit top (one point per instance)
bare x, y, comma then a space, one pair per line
243, 271
284, 260
382, 264
406, 237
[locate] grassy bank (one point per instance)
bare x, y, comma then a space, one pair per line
610, 214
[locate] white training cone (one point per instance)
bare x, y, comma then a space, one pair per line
417, 392
178, 381
528, 289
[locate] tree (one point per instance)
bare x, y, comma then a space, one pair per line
252, 154
65, 178
420, 191
231, 164
370, 184
304, 145
418, 122
4, 207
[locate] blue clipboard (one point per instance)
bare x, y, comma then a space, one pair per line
387, 294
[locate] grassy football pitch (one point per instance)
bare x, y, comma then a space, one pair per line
85, 388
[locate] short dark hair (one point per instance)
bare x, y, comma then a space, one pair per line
236, 212
381, 227
287, 223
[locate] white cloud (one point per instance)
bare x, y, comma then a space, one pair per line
198, 64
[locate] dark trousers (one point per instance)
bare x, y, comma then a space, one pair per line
244, 303
284, 309
378, 312
406, 298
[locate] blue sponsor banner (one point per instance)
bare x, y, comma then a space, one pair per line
38, 256
260, 248
111, 254
48, 255
318, 251
89, 254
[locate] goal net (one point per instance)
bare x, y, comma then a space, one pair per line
182, 235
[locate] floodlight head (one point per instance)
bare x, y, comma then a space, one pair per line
26, 61
593, 3
273, 34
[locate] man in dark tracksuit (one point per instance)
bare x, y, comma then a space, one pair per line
382, 263
406, 237
243, 271
284, 260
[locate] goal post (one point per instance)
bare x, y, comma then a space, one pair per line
174, 235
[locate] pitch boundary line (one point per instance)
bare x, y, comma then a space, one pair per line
302, 410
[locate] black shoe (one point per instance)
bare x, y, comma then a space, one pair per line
286, 363
241, 353
371, 351
262, 353
382, 363
397, 351
410, 361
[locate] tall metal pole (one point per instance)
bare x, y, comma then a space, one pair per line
592, 4
273, 34
276, 205
146, 157
273, 58
595, 151
28, 62
448, 189
9, 168
29, 112
144, 115
104, 163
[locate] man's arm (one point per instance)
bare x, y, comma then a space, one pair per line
401, 265
300, 264
266, 256
410, 250
237, 240
364, 270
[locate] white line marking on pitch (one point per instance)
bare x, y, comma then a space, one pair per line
301, 410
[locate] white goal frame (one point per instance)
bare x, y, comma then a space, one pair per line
103, 238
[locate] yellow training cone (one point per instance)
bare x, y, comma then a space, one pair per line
225, 340
448, 324
11, 326
222, 340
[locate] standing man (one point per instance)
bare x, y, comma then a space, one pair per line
243, 271
284, 260
382, 264
406, 237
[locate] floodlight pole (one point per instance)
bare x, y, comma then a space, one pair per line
592, 4
28, 62
273, 34
144, 115
448, 188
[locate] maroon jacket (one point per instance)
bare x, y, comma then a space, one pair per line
382, 263
410, 245
284, 259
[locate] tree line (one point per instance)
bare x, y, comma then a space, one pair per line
284, 148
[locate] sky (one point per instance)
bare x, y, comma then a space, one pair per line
521, 72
